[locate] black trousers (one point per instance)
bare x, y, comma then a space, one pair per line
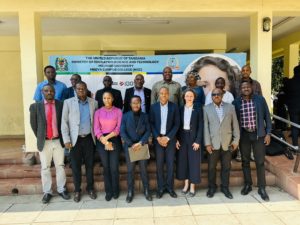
84, 149
165, 155
110, 162
188, 160
295, 117
250, 141
213, 158
130, 171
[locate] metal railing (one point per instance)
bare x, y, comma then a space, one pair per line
296, 148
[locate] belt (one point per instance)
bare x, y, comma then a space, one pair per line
54, 138
186, 130
161, 135
83, 135
249, 130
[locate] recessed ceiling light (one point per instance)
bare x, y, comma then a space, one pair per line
144, 21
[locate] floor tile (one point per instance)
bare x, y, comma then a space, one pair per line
216, 220
61, 211
171, 207
138, 208
258, 218
97, 210
289, 218
182, 220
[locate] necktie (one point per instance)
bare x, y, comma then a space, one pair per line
49, 122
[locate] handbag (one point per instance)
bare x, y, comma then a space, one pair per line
141, 154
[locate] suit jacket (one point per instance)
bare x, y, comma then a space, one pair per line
224, 133
263, 118
130, 92
38, 122
71, 119
132, 133
196, 125
173, 120
69, 93
118, 101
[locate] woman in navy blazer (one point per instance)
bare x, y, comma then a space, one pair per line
135, 132
189, 142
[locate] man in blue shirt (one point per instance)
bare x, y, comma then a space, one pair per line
59, 87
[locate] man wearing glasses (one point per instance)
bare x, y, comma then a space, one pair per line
221, 135
70, 91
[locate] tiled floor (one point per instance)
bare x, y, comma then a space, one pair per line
282, 209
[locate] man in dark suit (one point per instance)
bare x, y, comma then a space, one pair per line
107, 82
164, 121
70, 92
45, 121
139, 90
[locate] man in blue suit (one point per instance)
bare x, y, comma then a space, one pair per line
164, 121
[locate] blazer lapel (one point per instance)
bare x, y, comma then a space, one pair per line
225, 111
42, 111
193, 116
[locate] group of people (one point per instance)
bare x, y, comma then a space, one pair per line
181, 120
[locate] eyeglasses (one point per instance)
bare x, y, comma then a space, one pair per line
216, 94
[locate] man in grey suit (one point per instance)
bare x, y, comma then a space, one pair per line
45, 120
221, 134
78, 135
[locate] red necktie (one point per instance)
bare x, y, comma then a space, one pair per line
49, 122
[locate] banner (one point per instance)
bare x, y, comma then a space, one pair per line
122, 69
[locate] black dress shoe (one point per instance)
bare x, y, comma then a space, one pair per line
108, 197
172, 193
129, 197
191, 194
116, 195
77, 196
92, 194
246, 189
46, 198
65, 195
159, 193
263, 194
148, 195
227, 193
210, 192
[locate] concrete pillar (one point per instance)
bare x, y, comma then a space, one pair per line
31, 66
291, 59
261, 53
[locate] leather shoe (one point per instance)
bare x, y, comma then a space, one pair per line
46, 198
227, 193
191, 194
77, 197
108, 197
246, 189
159, 193
116, 195
92, 194
263, 194
148, 195
129, 197
211, 192
65, 195
172, 193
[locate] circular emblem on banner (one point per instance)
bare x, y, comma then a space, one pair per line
61, 64
173, 62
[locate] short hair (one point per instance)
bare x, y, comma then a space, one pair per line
49, 66
217, 89
246, 65
164, 87
245, 81
108, 92
220, 78
135, 96
49, 85
189, 90
77, 75
297, 70
81, 82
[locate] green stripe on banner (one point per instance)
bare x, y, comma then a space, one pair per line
67, 73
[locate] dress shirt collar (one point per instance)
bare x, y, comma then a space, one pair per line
83, 102
221, 105
46, 102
